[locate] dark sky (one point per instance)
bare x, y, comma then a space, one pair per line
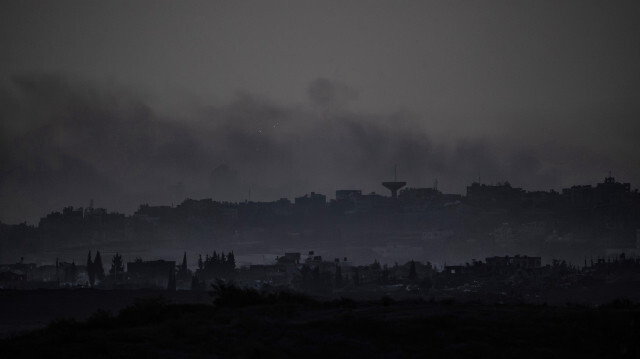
157, 101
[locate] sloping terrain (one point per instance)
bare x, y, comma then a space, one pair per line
293, 326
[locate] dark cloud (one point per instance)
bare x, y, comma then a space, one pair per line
326, 93
66, 141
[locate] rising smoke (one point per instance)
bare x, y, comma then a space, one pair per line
66, 140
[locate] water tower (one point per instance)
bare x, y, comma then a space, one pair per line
395, 185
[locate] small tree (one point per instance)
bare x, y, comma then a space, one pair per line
91, 271
117, 267
183, 267
98, 267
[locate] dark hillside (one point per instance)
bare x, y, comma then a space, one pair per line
293, 326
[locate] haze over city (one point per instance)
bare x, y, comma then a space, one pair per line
154, 102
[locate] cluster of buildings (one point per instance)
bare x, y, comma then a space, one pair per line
156, 274
505, 276
408, 223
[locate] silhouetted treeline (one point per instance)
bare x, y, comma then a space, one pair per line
216, 266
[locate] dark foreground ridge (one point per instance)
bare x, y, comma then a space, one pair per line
245, 323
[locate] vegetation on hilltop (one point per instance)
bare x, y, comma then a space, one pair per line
249, 323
